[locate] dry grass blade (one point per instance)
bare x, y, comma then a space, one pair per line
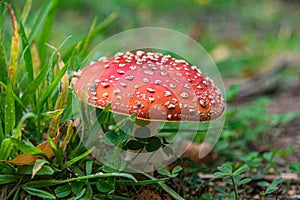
62, 96
15, 45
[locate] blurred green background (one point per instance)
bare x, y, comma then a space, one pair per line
242, 36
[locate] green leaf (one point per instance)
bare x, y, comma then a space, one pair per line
220, 175
277, 181
78, 196
263, 183
88, 192
28, 170
38, 193
226, 168
163, 171
114, 138
271, 189
77, 187
62, 191
38, 165
134, 145
88, 167
244, 181
9, 117
8, 178
176, 169
105, 186
240, 170
153, 144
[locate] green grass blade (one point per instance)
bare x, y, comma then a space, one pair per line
50, 89
7, 144
2, 135
18, 131
34, 85
88, 37
93, 32
17, 99
26, 10
100, 175
5, 149
9, 116
3, 63
40, 19
27, 54
3, 11
46, 30
76, 159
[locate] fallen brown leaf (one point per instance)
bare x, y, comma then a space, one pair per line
28, 159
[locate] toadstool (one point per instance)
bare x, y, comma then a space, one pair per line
152, 86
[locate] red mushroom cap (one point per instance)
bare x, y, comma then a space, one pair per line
150, 85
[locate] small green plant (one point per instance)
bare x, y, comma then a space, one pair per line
270, 188
169, 174
233, 178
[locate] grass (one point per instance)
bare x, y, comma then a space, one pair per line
40, 150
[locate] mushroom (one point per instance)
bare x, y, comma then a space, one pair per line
152, 86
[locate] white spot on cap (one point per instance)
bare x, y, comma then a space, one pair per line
129, 77
117, 91
202, 103
187, 86
151, 99
105, 84
172, 85
184, 95
146, 80
123, 84
151, 90
157, 82
121, 71
164, 73
149, 72
167, 93
169, 105
132, 67
105, 94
